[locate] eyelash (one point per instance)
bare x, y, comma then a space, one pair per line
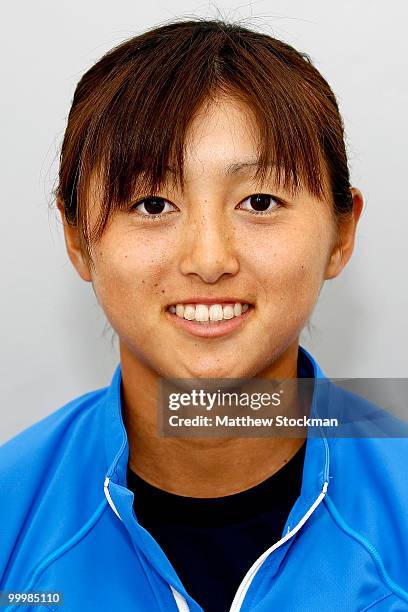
146, 217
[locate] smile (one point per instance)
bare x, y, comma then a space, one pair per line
204, 313
207, 320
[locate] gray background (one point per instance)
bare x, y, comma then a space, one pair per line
55, 343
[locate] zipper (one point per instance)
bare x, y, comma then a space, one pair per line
108, 497
250, 575
182, 605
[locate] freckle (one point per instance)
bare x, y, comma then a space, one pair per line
163, 291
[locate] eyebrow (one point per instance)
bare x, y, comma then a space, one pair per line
236, 167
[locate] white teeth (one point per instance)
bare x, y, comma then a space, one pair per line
180, 310
216, 313
189, 312
228, 312
203, 313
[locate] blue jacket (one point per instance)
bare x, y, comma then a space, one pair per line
67, 523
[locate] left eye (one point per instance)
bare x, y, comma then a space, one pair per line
260, 202
153, 206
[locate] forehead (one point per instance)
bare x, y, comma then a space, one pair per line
223, 135
223, 140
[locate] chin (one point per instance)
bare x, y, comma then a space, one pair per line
213, 371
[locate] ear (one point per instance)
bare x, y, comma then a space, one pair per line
72, 243
344, 246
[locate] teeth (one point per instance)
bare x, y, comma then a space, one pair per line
180, 310
228, 312
216, 312
203, 313
189, 312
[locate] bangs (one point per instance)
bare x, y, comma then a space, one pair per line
132, 110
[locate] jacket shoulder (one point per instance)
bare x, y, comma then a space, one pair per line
33, 442
368, 486
41, 475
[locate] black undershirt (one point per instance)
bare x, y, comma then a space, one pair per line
212, 542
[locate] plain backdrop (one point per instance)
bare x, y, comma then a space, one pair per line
55, 342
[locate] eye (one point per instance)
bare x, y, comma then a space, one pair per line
262, 203
151, 207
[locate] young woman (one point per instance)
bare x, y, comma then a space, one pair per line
205, 194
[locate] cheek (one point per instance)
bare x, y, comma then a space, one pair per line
129, 279
290, 270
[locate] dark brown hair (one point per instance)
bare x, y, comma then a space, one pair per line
131, 111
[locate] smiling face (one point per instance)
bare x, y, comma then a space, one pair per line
207, 242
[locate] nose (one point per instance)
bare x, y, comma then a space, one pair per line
208, 248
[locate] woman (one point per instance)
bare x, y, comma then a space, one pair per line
205, 194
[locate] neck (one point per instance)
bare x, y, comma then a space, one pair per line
197, 467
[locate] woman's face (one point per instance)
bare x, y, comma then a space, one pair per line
208, 243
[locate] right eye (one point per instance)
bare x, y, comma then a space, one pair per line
154, 207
